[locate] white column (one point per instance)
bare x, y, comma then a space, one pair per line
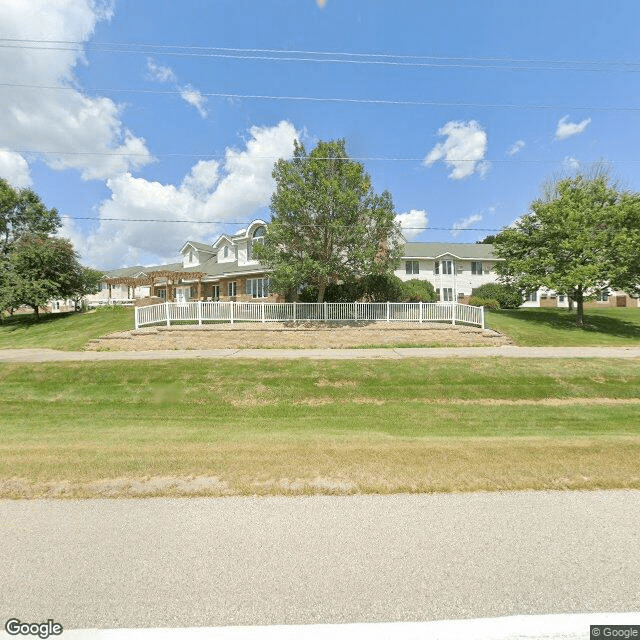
231, 304
166, 308
262, 311
199, 312
420, 303
294, 310
388, 303
453, 312
325, 312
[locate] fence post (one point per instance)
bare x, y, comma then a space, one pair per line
294, 311
231, 303
453, 312
166, 308
262, 311
199, 312
388, 311
420, 316
482, 317
325, 312
355, 311
137, 319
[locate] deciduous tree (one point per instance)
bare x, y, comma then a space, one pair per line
328, 225
563, 243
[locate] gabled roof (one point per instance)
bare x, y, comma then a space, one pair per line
460, 250
214, 269
173, 266
125, 272
200, 246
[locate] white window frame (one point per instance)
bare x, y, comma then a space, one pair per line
232, 289
257, 287
476, 268
447, 267
447, 294
412, 267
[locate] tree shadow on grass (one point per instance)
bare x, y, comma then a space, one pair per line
26, 320
595, 322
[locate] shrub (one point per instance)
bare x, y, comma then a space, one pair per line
476, 301
508, 296
418, 291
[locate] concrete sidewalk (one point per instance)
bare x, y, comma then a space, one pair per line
51, 355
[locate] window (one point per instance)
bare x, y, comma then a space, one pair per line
476, 268
561, 297
258, 238
215, 292
257, 287
436, 267
447, 294
412, 266
532, 296
231, 289
447, 267
603, 295
225, 251
191, 256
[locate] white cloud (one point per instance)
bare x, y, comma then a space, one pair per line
188, 93
159, 72
63, 119
195, 99
566, 129
464, 149
413, 223
14, 169
570, 163
465, 223
516, 147
232, 190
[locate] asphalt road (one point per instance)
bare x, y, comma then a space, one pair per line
254, 561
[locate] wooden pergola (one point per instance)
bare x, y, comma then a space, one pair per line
172, 278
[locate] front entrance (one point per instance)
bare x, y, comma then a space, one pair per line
183, 294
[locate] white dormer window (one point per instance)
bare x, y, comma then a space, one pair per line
191, 255
225, 251
258, 237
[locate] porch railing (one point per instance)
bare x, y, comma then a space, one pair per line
168, 313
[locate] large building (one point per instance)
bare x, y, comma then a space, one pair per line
227, 270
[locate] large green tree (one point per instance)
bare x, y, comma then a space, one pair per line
41, 269
564, 242
22, 212
328, 225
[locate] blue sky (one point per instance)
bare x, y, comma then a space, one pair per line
465, 109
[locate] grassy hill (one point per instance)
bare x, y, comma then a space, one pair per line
63, 331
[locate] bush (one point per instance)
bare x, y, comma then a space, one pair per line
507, 296
487, 303
418, 291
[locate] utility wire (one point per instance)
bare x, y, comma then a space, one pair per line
221, 157
374, 101
282, 55
247, 223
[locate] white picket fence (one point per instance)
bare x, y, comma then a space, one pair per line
168, 313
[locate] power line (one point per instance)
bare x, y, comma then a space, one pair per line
221, 157
335, 57
373, 101
245, 223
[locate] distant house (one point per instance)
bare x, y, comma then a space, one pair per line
454, 269
227, 270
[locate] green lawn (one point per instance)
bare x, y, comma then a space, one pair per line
539, 327
296, 427
64, 331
